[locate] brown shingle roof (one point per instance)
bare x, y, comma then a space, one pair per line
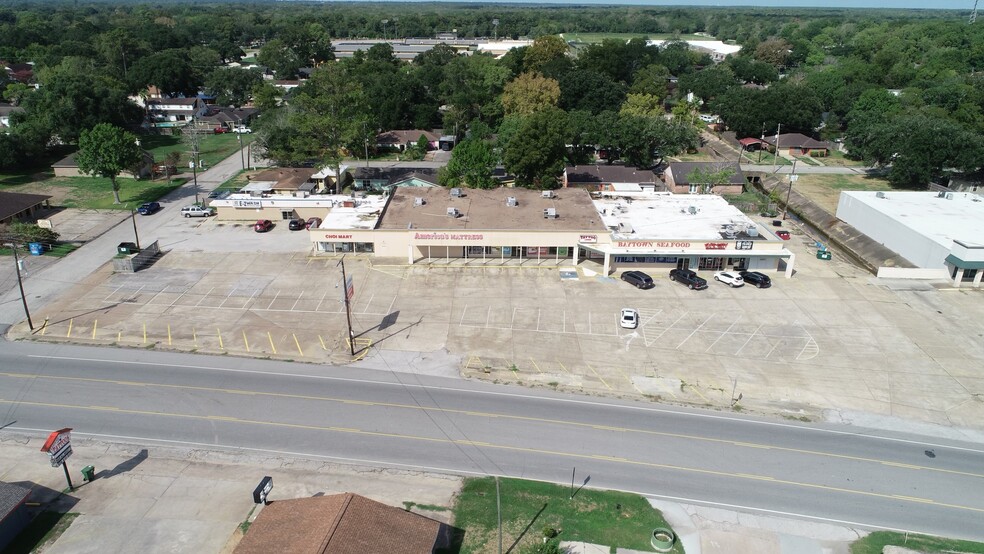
13, 203
796, 140
339, 524
287, 178
404, 136
608, 174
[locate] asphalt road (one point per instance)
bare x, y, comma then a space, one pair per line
841, 474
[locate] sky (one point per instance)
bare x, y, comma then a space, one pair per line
926, 4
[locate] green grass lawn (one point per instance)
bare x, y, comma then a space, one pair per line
877, 541
214, 148
611, 518
97, 192
15, 177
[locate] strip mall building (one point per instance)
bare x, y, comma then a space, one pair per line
657, 231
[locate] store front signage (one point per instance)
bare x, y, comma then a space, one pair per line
743, 245
651, 244
58, 446
448, 236
715, 246
333, 236
248, 203
588, 239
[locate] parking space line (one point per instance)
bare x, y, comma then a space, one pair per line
204, 297
538, 319
298, 343
488, 317
194, 336
169, 334
110, 295
369, 303
694, 332
296, 301
246, 340
463, 312
532, 361
602, 379
250, 299
274, 300
512, 322
698, 393
272, 346
94, 321
726, 331
776, 345
589, 324
221, 304
659, 336
135, 294
69, 334
218, 333
562, 366
318, 307
323, 347
160, 292
180, 296
119, 336
145, 332
629, 379
750, 337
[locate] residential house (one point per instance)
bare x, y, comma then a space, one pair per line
402, 139
14, 512
341, 524
752, 144
796, 144
16, 206
6, 110
284, 181
227, 117
378, 179
173, 112
68, 167
609, 178
678, 178
21, 72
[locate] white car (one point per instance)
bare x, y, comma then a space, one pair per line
629, 318
242, 130
731, 278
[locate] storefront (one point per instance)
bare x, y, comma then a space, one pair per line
752, 255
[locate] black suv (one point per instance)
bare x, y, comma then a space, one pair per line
638, 279
760, 280
689, 278
296, 225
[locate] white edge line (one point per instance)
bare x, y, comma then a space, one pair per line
529, 396
452, 471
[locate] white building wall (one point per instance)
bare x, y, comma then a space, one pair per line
919, 249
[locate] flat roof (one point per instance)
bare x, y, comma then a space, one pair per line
940, 219
675, 216
487, 210
363, 215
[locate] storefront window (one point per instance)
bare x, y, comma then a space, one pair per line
645, 259
364, 247
712, 264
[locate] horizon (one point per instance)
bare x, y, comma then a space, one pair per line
961, 5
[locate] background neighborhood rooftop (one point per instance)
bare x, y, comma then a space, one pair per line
364, 215
668, 216
487, 210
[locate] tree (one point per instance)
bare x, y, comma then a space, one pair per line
472, 163
709, 82
716, 175
589, 90
535, 151
280, 58
528, 93
232, 86
10, 155
544, 50
642, 104
170, 71
774, 52
107, 151
652, 80
28, 232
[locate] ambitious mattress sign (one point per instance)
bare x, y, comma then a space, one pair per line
448, 236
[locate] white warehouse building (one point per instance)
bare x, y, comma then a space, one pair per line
930, 229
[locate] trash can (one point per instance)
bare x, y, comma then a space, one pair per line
36, 248
777, 223
126, 248
88, 473
823, 254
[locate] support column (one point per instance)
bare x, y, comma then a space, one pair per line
977, 278
410, 254
789, 265
958, 277
608, 263
577, 250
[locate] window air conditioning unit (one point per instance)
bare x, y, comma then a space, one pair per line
511, 201
547, 194
453, 212
456, 192
550, 213
418, 201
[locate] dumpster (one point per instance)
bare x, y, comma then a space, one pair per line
127, 248
823, 254
36, 248
88, 473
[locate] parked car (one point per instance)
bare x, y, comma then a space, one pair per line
756, 279
784, 235
242, 130
313, 223
689, 278
263, 225
730, 278
629, 318
196, 211
638, 279
219, 130
296, 225
148, 208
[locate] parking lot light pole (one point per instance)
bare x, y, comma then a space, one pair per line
133, 218
348, 311
792, 177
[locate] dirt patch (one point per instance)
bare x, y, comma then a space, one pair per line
58, 194
825, 189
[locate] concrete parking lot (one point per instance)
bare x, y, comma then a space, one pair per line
831, 338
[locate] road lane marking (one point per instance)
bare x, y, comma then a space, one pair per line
526, 396
458, 442
497, 415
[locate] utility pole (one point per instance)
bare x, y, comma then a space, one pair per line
348, 311
760, 145
498, 509
194, 171
792, 177
367, 151
133, 219
775, 160
241, 157
20, 285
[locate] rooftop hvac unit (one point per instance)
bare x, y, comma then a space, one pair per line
625, 228
692, 210
949, 196
752, 232
879, 194
941, 194
547, 194
453, 212
418, 201
511, 201
550, 213
456, 192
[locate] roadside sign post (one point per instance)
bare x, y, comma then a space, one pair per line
59, 448
262, 490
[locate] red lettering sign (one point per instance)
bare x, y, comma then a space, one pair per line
331, 236
716, 245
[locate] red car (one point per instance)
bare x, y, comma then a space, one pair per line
313, 223
220, 130
263, 225
784, 235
